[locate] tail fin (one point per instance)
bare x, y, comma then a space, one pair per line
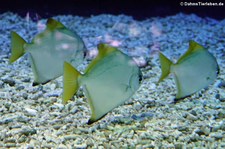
17, 49
165, 66
70, 81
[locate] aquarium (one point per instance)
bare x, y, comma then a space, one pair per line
112, 74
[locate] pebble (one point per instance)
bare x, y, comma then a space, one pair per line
28, 131
22, 119
1, 84
222, 84
81, 146
179, 145
31, 112
142, 116
10, 145
62, 146
137, 106
19, 88
6, 120
59, 106
26, 80
202, 131
221, 114
221, 96
22, 139
218, 126
222, 99
9, 81
70, 137
24, 95
35, 96
217, 135
191, 117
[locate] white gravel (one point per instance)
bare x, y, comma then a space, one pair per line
34, 117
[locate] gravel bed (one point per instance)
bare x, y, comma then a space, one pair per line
34, 117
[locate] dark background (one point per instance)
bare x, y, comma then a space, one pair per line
139, 9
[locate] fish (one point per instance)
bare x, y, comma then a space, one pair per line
48, 51
108, 81
196, 69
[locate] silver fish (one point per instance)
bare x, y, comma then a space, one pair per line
48, 51
195, 70
109, 80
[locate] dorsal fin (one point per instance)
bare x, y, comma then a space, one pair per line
103, 51
53, 24
193, 47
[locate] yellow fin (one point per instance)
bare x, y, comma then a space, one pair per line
165, 66
17, 47
103, 51
53, 24
193, 47
70, 81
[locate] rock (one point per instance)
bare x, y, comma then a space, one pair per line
59, 106
70, 137
6, 120
221, 114
137, 106
217, 135
24, 95
31, 112
222, 99
19, 88
220, 125
10, 145
22, 139
28, 131
22, 119
194, 137
221, 84
1, 84
9, 81
221, 96
191, 117
142, 116
26, 80
62, 146
202, 131
36, 96
179, 145
193, 112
